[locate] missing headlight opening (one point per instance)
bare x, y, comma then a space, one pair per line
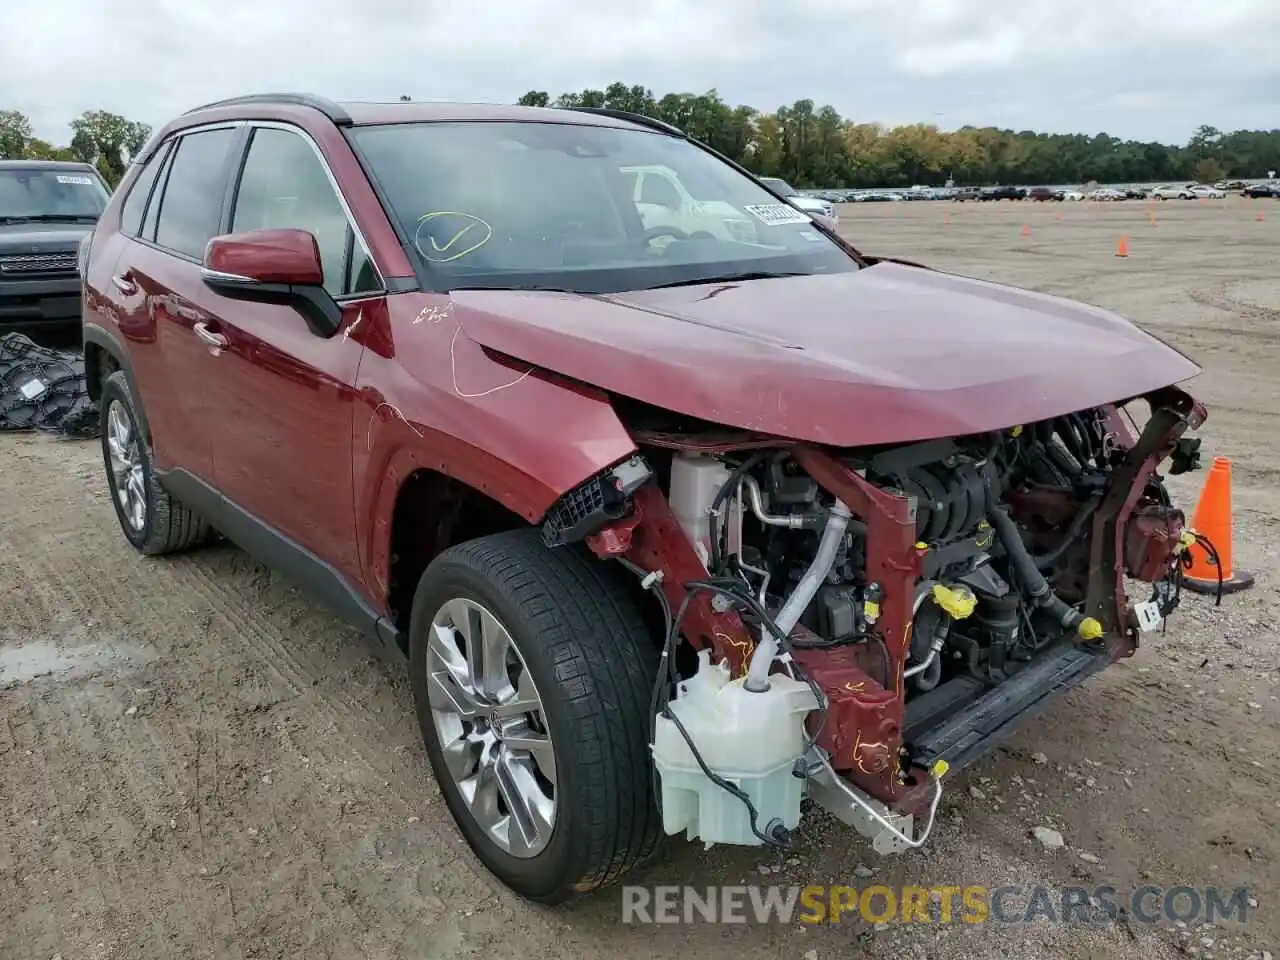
850, 624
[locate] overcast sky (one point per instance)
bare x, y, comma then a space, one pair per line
1133, 68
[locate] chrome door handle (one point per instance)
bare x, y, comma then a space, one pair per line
208, 336
125, 285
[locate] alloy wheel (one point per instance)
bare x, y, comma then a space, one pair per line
126, 465
491, 727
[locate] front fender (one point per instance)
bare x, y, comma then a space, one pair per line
431, 398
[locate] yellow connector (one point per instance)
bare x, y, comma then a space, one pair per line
939, 769
1185, 541
1016, 431
1089, 629
958, 602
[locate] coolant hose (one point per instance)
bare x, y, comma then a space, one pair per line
1038, 589
762, 660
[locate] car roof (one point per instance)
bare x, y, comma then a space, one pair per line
357, 113
304, 108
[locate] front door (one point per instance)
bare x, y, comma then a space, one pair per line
285, 396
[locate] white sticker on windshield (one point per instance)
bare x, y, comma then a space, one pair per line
32, 389
776, 213
810, 236
83, 181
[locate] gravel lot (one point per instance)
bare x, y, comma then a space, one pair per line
199, 763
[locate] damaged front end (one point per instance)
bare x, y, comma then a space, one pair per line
851, 623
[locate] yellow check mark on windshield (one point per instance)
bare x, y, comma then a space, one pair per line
452, 240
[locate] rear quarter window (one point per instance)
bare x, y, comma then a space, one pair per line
135, 202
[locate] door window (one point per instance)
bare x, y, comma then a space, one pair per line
284, 185
192, 204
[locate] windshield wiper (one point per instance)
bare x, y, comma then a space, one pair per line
729, 278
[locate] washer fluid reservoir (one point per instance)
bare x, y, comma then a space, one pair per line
752, 740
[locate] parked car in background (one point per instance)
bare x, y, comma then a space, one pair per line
1203, 191
46, 209
821, 210
966, 193
1268, 188
1167, 191
1072, 195
1231, 186
1044, 194
1002, 193
663, 200
1135, 193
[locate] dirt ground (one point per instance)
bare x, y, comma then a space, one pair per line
198, 763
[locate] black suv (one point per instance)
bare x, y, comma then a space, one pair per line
46, 208
1002, 193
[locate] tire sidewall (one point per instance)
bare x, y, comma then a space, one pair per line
116, 390
560, 863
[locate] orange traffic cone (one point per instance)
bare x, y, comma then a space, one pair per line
1213, 521
946, 217
1122, 247
1026, 229
1259, 216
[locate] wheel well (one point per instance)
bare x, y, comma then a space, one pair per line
98, 365
432, 513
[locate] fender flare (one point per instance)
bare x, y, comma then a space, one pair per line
100, 338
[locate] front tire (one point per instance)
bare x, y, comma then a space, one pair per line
151, 519
532, 670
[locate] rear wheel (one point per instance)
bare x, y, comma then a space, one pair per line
531, 671
152, 520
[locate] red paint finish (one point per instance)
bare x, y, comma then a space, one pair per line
886, 354
284, 400
508, 393
430, 398
268, 256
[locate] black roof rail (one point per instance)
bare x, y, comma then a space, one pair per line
636, 118
339, 116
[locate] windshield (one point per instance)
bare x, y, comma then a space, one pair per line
589, 209
781, 186
33, 193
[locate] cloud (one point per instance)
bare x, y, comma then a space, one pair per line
1138, 68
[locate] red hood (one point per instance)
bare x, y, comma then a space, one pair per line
885, 354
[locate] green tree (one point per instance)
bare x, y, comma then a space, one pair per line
812, 145
1207, 170
108, 141
15, 135
535, 98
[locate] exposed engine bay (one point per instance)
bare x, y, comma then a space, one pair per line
878, 615
1002, 523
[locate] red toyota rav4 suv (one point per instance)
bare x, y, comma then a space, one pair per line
653, 480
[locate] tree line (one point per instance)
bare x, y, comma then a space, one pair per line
808, 145
813, 146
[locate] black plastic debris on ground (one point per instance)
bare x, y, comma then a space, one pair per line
44, 389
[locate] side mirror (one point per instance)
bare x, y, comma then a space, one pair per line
273, 266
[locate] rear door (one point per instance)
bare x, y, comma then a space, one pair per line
157, 290
284, 397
